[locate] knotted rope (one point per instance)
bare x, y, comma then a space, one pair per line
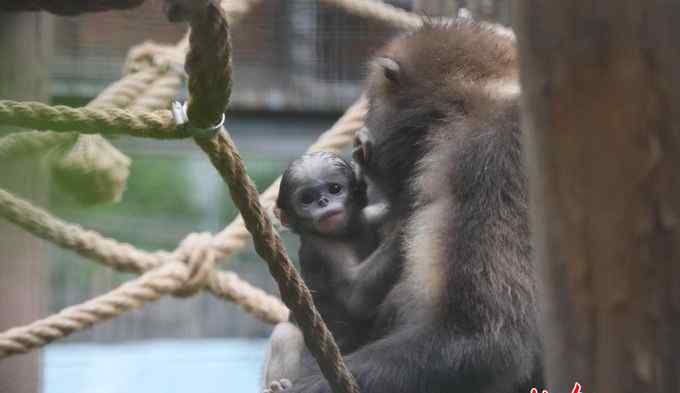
191, 268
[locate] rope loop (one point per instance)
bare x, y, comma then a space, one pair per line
179, 113
198, 252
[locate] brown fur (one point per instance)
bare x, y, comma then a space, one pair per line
463, 62
444, 125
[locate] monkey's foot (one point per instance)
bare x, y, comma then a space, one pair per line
279, 386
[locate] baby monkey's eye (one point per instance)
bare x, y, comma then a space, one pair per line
334, 188
307, 198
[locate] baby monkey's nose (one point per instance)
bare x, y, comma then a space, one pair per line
323, 202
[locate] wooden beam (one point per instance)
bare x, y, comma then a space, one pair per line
601, 101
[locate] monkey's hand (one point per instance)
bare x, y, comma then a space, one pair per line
310, 384
281, 385
363, 146
374, 215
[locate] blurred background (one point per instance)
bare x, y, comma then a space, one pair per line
298, 65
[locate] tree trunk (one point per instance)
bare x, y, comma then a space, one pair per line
601, 99
24, 42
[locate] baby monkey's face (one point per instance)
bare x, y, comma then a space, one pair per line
323, 202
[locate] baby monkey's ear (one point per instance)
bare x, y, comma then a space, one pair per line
283, 218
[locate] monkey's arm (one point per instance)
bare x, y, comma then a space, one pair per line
361, 288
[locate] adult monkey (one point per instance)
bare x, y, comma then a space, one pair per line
443, 144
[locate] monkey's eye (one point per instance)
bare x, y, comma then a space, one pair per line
307, 198
334, 188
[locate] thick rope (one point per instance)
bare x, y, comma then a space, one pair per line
98, 172
192, 268
208, 64
148, 287
171, 58
158, 124
126, 258
120, 256
67, 7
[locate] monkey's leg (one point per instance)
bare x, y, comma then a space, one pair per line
284, 354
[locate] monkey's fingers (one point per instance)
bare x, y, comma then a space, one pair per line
279, 386
286, 383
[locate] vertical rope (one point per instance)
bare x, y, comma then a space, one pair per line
208, 64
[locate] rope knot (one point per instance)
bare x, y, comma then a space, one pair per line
199, 254
90, 168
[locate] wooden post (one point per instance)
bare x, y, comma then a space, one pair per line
25, 39
601, 102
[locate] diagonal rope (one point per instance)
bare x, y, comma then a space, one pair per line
208, 64
192, 268
148, 287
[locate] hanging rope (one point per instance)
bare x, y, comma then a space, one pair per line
208, 64
192, 269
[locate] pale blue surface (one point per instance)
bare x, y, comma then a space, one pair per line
200, 366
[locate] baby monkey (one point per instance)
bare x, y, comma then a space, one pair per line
322, 199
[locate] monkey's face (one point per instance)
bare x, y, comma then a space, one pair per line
422, 88
322, 201
396, 127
